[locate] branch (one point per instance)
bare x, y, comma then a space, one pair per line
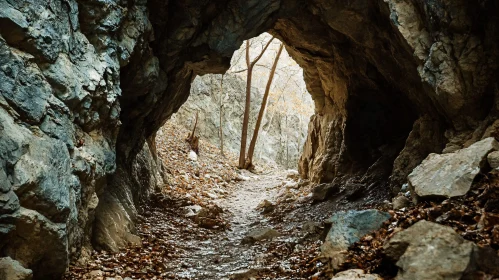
248, 53
261, 53
239, 71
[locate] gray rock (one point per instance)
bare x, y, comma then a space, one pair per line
12, 270
9, 203
451, 174
245, 274
192, 211
400, 202
5, 185
323, 191
353, 274
115, 207
23, 87
428, 250
34, 235
46, 165
311, 227
266, 206
493, 159
260, 234
347, 228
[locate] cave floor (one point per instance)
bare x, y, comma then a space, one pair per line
179, 244
178, 247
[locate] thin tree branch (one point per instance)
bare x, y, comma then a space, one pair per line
261, 53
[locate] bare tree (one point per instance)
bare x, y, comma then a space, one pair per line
251, 150
192, 139
221, 131
250, 64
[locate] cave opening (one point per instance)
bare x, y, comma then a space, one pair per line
218, 100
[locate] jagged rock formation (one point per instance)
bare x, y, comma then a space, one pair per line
84, 84
348, 228
451, 174
428, 250
280, 140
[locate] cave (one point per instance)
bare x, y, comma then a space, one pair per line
392, 81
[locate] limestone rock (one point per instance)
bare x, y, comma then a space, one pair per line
260, 234
428, 250
347, 228
353, 274
451, 174
192, 211
493, 159
12, 270
400, 202
193, 156
266, 206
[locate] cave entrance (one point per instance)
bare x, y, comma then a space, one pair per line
219, 101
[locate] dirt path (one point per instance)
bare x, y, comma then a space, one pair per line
223, 255
177, 247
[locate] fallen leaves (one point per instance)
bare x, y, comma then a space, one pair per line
468, 215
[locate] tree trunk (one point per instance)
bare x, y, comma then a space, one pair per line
192, 138
221, 131
251, 150
244, 134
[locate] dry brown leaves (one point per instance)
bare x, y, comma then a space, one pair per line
199, 181
475, 217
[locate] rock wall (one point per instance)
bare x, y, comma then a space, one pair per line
280, 141
83, 84
60, 71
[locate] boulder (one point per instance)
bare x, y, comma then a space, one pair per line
493, 159
322, 192
400, 202
355, 274
347, 228
260, 234
12, 270
452, 174
428, 250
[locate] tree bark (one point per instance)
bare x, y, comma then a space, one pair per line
192, 138
244, 134
221, 131
251, 150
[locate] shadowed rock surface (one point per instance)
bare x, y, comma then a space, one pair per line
85, 84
